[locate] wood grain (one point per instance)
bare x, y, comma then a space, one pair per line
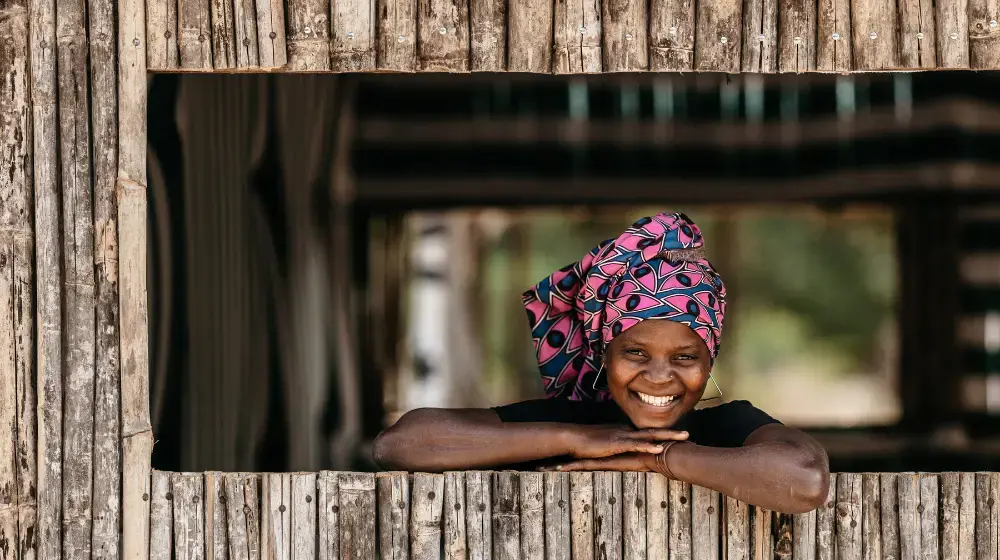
223, 30
797, 36
875, 40
194, 34
161, 514
303, 516
307, 35
455, 547
826, 522
890, 516
531, 488
427, 509
952, 32
927, 508
608, 515
680, 543
657, 515
760, 36
245, 22
397, 35
443, 35
242, 516
917, 34
393, 515
216, 531
625, 46
718, 31
275, 517
577, 40
161, 34
189, 516
705, 514
761, 537
986, 522
530, 36
479, 514
506, 516
849, 516
909, 516
357, 516
488, 38
634, 516
581, 490
738, 530
984, 39
871, 522
328, 515
353, 27
834, 36
272, 49
558, 531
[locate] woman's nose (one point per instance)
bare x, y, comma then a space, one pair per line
660, 373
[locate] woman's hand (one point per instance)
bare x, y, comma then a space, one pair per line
626, 462
596, 442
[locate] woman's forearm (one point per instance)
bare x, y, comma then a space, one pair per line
436, 440
774, 475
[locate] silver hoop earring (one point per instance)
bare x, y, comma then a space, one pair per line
717, 388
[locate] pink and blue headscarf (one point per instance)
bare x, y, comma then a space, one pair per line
655, 270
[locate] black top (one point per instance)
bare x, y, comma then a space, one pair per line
725, 425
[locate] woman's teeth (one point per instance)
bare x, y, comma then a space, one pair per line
656, 401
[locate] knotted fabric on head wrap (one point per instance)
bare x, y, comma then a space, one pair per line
655, 270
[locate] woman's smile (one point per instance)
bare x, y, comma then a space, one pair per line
662, 401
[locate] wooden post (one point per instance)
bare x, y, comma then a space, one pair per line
397, 35
987, 537
558, 535
797, 36
890, 516
705, 513
195, 34
761, 539
394, 515
272, 51
581, 491
680, 520
161, 34
532, 490
216, 533
189, 516
577, 40
161, 517
718, 31
927, 509
826, 523
357, 516
455, 547
353, 27
107, 383
738, 530
242, 516
425, 516
303, 516
760, 36
223, 30
625, 25
506, 516
17, 410
833, 36
308, 35
446, 51
530, 36
634, 516
48, 294
917, 41
329, 515
871, 523
849, 516
245, 21
952, 18
488, 38
875, 40
275, 517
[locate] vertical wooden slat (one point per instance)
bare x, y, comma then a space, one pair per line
987, 541
625, 45
834, 36
577, 41
353, 28
950, 517
718, 31
241, 513
671, 35
680, 521
479, 516
927, 509
216, 532
137, 436
443, 35
917, 34
506, 516
760, 36
455, 547
531, 488
826, 522
797, 36
17, 411
189, 516
737, 530
608, 515
890, 517
704, 524
874, 39
425, 516
530, 36
161, 515
633, 516
849, 516
161, 33
804, 536
908, 487
952, 18
558, 532
308, 35
223, 34
357, 516
871, 522
195, 40
245, 22
581, 489
397, 35
657, 513
394, 515
967, 517
329, 515
78, 283
761, 539
783, 527
488, 35
303, 518
984, 39
275, 517
272, 50
107, 382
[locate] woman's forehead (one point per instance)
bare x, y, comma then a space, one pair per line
659, 332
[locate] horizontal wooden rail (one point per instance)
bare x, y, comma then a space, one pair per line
558, 516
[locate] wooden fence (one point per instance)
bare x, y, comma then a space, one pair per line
573, 36
558, 516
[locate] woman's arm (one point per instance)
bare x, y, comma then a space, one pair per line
435, 440
778, 468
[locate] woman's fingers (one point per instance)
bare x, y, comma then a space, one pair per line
627, 462
659, 434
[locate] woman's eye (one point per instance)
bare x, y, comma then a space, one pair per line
687, 357
634, 352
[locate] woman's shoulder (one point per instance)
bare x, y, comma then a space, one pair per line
726, 425
561, 410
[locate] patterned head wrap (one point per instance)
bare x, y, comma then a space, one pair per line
655, 270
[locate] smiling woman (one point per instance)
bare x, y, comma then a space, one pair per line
625, 341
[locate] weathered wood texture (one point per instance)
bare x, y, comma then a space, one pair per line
833, 36
443, 36
530, 36
308, 35
488, 35
397, 35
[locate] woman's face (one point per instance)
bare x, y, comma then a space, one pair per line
657, 371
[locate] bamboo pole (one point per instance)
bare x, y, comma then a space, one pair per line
42, 41
271, 33
195, 34
223, 34
78, 283
245, 15
308, 35
17, 461
161, 34
107, 394
137, 437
